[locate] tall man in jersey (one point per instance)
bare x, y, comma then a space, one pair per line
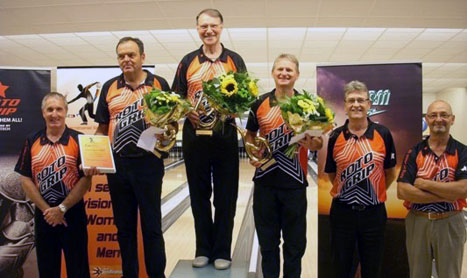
433, 183
214, 155
49, 165
137, 184
360, 164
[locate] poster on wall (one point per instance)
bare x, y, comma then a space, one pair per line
82, 87
395, 92
21, 92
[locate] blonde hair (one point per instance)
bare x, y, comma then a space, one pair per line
289, 57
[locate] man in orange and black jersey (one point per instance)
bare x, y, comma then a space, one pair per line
137, 182
51, 178
433, 183
213, 155
279, 200
360, 163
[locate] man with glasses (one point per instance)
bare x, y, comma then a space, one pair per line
433, 183
360, 164
212, 155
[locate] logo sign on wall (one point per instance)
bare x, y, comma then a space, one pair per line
21, 92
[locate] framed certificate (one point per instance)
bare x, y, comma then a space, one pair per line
96, 152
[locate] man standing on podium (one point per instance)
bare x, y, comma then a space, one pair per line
279, 198
209, 155
137, 183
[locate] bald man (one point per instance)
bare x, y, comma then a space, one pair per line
433, 183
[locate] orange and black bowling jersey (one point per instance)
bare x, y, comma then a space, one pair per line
359, 164
421, 162
121, 108
195, 68
265, 116
54, 167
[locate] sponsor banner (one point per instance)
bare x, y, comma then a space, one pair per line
82, 87
21, 92
395, 92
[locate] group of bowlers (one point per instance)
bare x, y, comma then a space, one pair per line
432, 180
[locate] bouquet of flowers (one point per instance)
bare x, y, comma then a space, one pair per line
163, 110
231, 93
306, 114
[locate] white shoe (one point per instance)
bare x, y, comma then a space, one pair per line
221, 264
200, 261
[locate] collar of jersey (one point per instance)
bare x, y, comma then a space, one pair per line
149, 81
63, 139
368, 133
273, 99
203, 58
450, 148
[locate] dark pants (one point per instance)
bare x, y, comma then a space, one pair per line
359, 227
212, 159
138, 184
73, 240
277, 210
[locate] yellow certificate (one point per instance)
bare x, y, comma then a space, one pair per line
96, 152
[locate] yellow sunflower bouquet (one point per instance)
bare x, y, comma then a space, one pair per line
306, 114
231, 93
163, 110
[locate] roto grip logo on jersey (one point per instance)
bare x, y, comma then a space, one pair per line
130, 115
279, 137
8, 106
358, 171
51, 174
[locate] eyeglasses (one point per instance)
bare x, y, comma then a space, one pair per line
205, 27
443, 116
358, 100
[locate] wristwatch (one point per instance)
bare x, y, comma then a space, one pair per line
62, 208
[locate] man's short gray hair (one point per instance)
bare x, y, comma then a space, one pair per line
355, 85
54, 95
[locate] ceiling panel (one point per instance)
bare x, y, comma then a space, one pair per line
84, 32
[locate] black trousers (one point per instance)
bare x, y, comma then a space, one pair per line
138, 184
364, 228
73, 240
275, 211
212, 160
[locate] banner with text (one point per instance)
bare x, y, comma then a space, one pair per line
21, 92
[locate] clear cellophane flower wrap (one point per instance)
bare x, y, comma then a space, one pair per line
306, 113
163, 110
231, 93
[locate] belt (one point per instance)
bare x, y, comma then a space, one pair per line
356, 207
435, 215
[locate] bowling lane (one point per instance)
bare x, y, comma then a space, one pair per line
180, 237
310, 259
173, 177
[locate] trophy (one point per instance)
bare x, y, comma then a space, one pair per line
163, 110
208, 111
259, 144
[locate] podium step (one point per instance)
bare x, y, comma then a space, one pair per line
183, 269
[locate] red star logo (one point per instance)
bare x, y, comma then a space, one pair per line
3, 89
